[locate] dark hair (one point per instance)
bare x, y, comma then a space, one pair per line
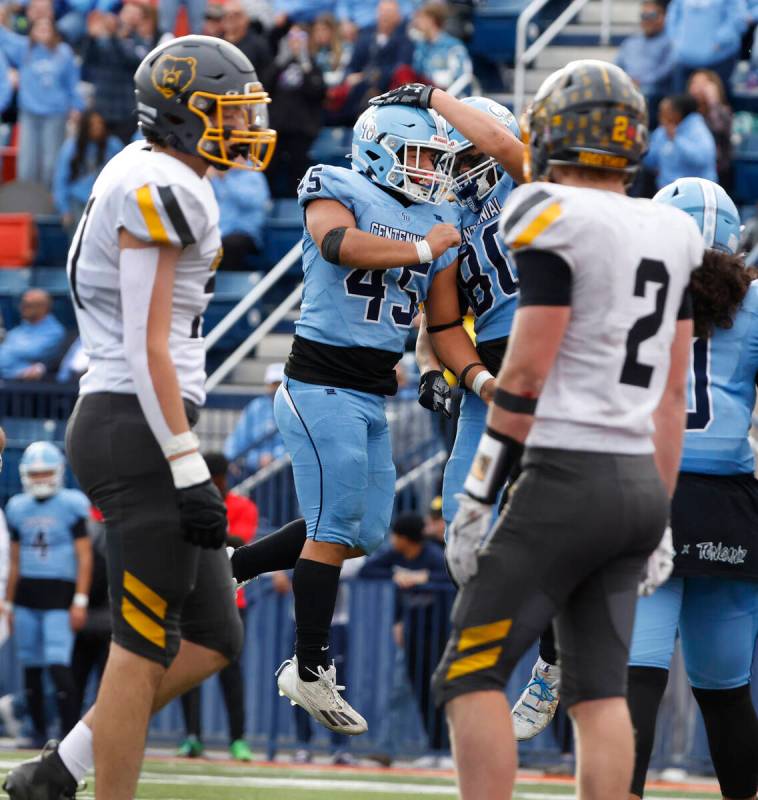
218, 463
409, 525
661, 4
78, 160
718, 288
683, 104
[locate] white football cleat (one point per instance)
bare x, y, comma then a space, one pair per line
536, 707
320, 698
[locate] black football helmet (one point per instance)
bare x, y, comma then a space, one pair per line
588, 114
201, 96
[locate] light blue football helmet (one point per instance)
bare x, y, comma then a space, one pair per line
41, 469
475, 176
711, 208
387, 146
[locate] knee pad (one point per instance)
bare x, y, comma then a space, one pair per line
731, 724
645, 690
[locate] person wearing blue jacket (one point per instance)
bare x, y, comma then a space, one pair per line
79, 162
705, 33
681, 146
244, 200
439, 57
47, 96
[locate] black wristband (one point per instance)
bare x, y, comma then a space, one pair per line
438, 328
497, 458
465, 371
515, 403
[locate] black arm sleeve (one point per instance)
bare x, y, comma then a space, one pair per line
544, 279
685, 309
14, 534
79, 530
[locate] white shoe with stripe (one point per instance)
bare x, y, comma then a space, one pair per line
320, 698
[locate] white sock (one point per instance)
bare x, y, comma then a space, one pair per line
76, 751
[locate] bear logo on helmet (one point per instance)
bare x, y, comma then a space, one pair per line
172, 75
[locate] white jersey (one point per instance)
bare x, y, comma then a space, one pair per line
159, 199
630, 262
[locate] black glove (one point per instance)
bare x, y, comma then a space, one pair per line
416, 95
203, 515
434, 392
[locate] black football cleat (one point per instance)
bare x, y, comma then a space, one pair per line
42, 778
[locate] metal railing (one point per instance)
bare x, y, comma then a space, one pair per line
526, 55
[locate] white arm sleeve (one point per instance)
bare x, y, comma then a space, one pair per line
137, 271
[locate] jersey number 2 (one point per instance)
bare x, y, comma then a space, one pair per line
649, 271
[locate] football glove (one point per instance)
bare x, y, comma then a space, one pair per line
202, 515
434, 392
659, 566
415, 95
465, 535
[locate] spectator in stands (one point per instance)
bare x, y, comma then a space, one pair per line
438, 58
294, 11
244, 202
434, 524
29, 349
169, 10
73, 364
8, 81
705, 33
111, 52
94, 639
682, 146
296, 87
213, 20
410, 562
47, 96
329, 51
79, 162
380, 52
237, 30
708, 90
255, 437
20, 19
647, 57
242, 515
362, 13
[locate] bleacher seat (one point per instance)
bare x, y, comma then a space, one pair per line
284, 228
495, 29
745, 169
52, 241
18, 239
331, 146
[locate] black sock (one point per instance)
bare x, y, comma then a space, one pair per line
191, 712
548, 653
35, 699
66, 695
279, 550
314, 586
646, 686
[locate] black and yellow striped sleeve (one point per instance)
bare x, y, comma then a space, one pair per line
527, 217
165, 215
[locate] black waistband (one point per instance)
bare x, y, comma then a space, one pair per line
366, 369
492, 353
117, 402
44, 593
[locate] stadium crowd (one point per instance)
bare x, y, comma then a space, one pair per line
66, 81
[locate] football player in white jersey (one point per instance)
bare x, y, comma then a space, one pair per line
591, 401
141, 269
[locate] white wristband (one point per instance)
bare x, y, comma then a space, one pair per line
424, 252
81, 600
479, 380
188, 467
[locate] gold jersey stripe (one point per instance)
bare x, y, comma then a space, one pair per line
473, 663
150, 214
483, 634
141, 623
145, 594
537, 226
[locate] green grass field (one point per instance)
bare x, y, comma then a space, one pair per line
170, 779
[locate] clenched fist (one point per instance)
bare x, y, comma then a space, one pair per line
441, 237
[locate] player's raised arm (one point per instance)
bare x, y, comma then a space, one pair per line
480, 128
334, 230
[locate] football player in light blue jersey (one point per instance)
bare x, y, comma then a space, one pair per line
712, 598
49, 578
379, 239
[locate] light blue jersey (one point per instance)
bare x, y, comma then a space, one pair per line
366, 308
722, 396
45, 530
487, 276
